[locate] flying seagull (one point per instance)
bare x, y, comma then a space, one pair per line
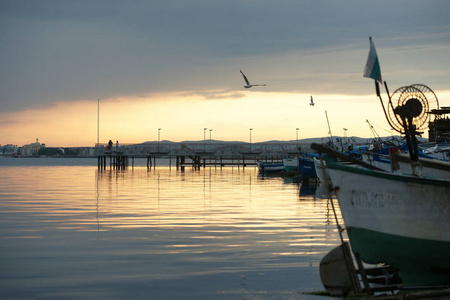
312, 102
248, 83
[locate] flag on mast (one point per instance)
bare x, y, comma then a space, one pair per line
372, 69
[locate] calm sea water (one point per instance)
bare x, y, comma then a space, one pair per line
69, 231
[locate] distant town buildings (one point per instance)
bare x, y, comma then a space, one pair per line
32, 149
26, 150
37, 149
9, 150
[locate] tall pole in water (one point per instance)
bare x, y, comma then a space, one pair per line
98, 120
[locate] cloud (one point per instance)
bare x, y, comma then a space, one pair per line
215, 95
55, 50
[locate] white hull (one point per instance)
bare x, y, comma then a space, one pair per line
394, 206
321, 170
290, 164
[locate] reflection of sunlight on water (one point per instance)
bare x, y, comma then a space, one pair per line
201, 200
212, 221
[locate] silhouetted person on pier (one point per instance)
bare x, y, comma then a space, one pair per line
110, 143
117, 145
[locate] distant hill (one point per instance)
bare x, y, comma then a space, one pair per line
357, 140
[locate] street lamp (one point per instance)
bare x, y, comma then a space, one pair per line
210, 139
204, 138
159, 139
251, 139
296, 136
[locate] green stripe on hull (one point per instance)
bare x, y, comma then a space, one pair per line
421, 262
291, 169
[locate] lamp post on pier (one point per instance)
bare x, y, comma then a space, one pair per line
251, 139
159, 138
210, 139
296, 137
204, 138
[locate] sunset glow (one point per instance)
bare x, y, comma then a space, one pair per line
182, 117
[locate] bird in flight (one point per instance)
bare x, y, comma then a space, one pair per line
248, 83
312, 102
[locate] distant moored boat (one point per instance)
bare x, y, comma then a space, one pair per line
270, 167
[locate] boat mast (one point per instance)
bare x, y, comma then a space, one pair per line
329, 128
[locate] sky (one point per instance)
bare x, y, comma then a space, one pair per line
124, 69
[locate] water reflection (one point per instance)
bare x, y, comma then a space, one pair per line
190, 235
219, 208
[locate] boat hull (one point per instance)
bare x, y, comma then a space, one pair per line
403, 221
290, 164
307, 168
421, 262
267, 168
321, 170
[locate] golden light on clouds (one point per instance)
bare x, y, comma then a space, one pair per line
183, 116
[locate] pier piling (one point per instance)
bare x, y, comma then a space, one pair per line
117, 161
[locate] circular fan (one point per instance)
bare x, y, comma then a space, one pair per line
413, 102
433, 102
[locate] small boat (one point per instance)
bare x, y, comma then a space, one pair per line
307, 168
270, 167
291, 164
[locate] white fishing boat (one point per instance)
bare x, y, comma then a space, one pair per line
400, 220
290, 164
397, 219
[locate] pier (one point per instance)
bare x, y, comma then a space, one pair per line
196, 156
